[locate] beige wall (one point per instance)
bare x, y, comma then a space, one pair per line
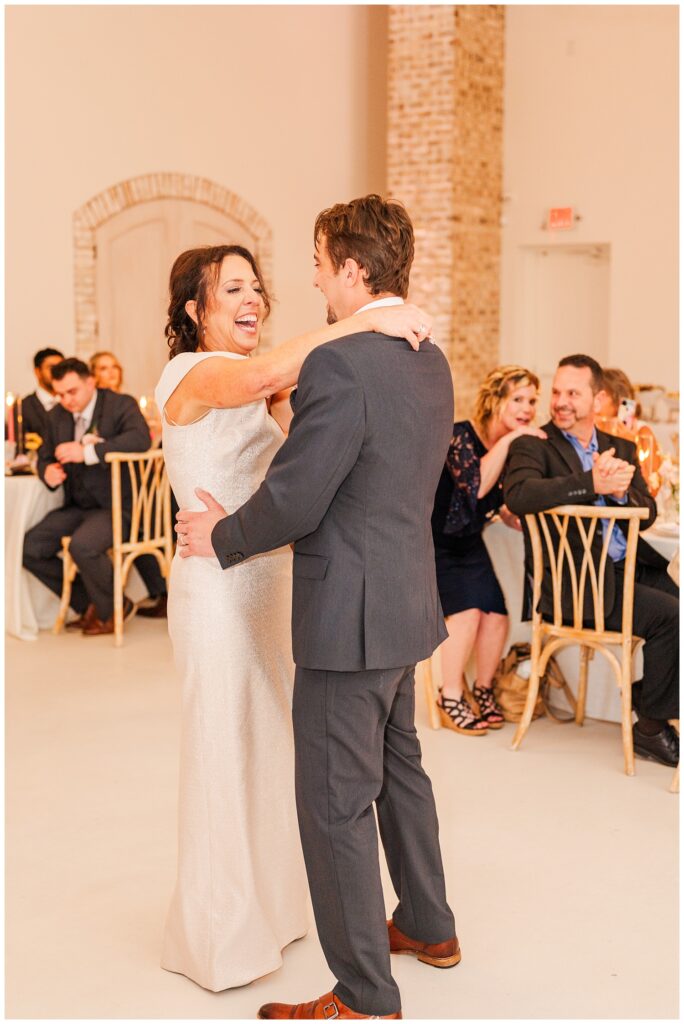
590, 119
286, 107
283, 105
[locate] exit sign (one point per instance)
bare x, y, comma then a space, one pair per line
560, 218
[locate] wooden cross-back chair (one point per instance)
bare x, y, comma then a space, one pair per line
584, 580
149, 532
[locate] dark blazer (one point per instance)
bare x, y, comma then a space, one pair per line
541, 474
34, 416
121, 425
353, 486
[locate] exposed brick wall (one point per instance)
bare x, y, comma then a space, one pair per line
145, 188
444, 161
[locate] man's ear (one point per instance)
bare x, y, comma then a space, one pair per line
599, 399
352, 273
191, 309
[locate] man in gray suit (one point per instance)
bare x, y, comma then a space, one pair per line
353, 487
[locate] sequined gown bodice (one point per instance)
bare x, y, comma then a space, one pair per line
227, 452
237, 902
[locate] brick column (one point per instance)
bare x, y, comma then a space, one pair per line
444, 161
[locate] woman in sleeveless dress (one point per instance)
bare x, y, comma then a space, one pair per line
241, 893
469, 493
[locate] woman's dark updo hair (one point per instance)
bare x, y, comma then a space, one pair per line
193, 275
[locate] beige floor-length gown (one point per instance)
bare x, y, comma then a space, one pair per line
241, 893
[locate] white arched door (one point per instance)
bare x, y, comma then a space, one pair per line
135, 250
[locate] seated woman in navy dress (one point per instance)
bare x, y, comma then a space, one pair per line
468, 495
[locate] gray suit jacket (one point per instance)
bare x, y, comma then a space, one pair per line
354, 486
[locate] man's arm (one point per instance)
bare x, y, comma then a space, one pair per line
131, 433
637, 495
47, 460
46, 452
323, 445
528, 489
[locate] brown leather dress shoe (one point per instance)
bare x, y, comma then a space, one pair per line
102, 627
327, 1007
437, 954
84, 620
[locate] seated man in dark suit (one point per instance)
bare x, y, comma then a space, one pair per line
36, 406
87, 425
580, 465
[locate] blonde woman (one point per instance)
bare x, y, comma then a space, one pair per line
469, 493
106, 370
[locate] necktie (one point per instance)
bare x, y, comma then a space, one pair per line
80, 428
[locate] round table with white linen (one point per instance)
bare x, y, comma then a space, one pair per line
667, 435
506, 550
29, 604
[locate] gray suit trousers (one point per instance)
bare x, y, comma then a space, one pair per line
91, 535
355, 745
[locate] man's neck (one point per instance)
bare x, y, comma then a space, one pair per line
87, 407
583, 433
368, 300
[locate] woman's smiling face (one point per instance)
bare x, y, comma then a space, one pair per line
235, 312
519, 407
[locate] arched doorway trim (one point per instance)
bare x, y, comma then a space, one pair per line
145, 188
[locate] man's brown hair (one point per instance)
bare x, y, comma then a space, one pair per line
375, 232
70, 365
582, 362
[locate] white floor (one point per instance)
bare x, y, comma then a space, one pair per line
562, 872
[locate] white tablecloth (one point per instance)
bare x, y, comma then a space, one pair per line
664, 433
506, 550
29, 605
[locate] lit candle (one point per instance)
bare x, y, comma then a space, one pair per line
647, 454
143, 403
9, 401
20, 428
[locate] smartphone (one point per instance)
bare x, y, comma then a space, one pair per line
627, 412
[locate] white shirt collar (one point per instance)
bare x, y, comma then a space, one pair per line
393, 300
47, 400
87, 413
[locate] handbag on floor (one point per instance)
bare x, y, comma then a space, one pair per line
512, 680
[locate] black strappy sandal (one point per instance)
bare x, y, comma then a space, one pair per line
459, 716
490, 711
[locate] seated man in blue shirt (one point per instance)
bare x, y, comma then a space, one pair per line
580, 465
